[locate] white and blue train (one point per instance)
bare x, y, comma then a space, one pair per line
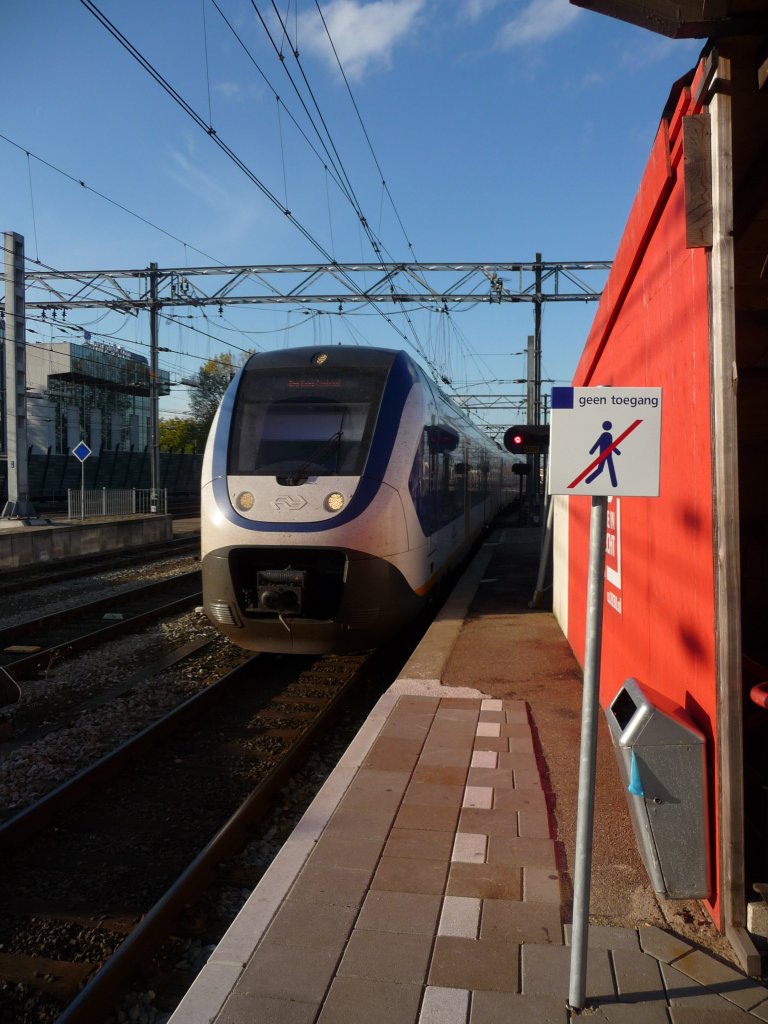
339, 486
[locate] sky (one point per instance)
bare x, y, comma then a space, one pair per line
454, 130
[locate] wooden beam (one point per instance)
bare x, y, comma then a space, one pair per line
697, 171
729, 726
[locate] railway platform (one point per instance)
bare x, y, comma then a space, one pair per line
57, 539
430, 880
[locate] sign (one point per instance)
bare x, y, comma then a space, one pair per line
81, 451
605, 441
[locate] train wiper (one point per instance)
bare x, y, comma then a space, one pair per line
299, 475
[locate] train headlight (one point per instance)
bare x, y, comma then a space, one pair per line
334, 502
244, 501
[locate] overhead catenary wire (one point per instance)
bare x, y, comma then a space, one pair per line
376, 244
213, 135
365, 131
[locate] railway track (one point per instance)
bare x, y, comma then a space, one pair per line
96, 874
16, 580
38, 643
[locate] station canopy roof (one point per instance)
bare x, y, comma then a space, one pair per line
687, 19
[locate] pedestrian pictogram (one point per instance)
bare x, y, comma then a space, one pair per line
599, 454
605, 445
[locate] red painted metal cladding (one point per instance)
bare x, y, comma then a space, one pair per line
651, 329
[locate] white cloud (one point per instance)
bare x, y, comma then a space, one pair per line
235, 211
538, 22
473, 10
231, 90
653, 49
364, 34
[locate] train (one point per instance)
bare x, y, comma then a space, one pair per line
339, 487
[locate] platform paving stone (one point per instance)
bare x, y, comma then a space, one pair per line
524, 852
324, 883
441, 819
602, 936
403, 874
661, 944
449, 775
497, 743
245, 1007
489, 822
506, 800
638, 976
487, 881
355, 1000
351, 851
276, 970
686, 992
358, 800
444, 1006
541, 885
386, 956
503, 776
480, 797
546, 972
369, 823
533, 824
405, 912
516, 745
725, 1015
470, 848
521, 922
433, 795
375, 780
474, 964
460, 917
392, 754
327, 926
416, 843
503, 1007
625, 1013
729, 983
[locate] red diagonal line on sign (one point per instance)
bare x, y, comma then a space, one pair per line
606, 453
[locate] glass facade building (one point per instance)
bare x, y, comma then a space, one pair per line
92, 391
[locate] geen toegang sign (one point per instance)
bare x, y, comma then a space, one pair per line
605, 441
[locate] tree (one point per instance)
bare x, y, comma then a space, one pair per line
180, 433
211, 381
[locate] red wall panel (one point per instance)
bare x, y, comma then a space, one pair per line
651, 329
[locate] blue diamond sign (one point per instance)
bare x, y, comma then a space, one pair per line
81, 451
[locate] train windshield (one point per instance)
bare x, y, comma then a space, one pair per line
294, 424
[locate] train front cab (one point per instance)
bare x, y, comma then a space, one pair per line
686, 308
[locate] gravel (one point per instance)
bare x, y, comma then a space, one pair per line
72, 701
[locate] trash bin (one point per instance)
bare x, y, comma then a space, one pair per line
662, 763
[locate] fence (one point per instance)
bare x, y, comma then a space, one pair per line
51, 475
89, 504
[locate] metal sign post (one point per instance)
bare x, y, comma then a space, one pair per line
590, 705
81, 452
604, 441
